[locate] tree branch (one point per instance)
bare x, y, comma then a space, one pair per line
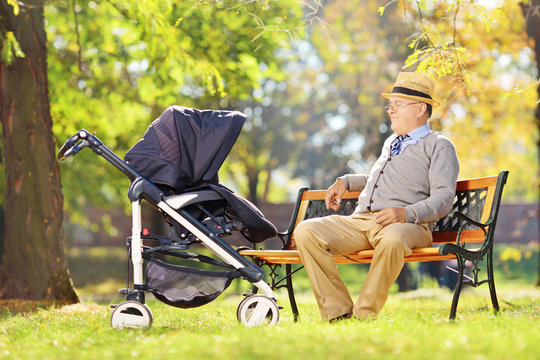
79, 51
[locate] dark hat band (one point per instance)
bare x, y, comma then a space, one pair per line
402, 90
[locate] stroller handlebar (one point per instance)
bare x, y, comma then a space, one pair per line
84, 139
72, 145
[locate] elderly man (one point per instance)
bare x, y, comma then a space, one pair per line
411, 185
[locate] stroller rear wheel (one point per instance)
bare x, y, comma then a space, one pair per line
256, 310
131, 314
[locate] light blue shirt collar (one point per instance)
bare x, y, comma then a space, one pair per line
418, 134
415, 136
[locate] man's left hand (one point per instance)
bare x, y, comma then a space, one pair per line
391, 215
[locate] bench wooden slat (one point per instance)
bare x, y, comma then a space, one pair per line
291, 256
487, 207
320, 195
467, 236
364, 256
489, 181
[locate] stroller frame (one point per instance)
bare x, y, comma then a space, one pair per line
254, 310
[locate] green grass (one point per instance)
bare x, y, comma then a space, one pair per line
412, 325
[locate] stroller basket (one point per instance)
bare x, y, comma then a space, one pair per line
186, 287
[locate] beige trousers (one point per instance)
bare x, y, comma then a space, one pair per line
319, 239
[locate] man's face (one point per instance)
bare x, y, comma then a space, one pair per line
404, 114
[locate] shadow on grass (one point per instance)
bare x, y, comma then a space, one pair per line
18, 306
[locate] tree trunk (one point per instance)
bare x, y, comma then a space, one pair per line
267, 184
531, 12
253, 183
33, 265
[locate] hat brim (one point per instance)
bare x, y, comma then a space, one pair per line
432, 102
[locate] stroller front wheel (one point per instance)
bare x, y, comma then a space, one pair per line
256, 310
131, 314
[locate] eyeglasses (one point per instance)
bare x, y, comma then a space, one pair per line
396, 107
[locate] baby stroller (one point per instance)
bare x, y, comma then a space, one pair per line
174, 168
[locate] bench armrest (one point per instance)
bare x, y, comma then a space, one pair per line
461, 216
466, 219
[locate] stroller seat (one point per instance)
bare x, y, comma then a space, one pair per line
207, 206
182, 200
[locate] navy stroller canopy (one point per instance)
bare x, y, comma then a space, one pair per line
183, 149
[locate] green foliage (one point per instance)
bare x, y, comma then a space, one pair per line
115, 66
312, 93
9, 46
517, 263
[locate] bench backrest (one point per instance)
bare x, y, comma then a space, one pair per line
478, 199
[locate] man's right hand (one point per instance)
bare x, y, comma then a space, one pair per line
334, 195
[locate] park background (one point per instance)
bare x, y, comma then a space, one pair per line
307, 74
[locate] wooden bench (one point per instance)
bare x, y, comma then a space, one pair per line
471, 222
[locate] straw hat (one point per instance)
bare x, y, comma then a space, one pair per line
415, 86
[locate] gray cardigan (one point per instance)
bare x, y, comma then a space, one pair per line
422, 179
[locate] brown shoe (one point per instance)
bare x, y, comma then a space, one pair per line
340, 318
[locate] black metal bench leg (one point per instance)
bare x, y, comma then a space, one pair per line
290, 290
491, 281
459, 285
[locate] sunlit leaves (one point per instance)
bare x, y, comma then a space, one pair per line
15, 4
10, 48
482, 62
441, 60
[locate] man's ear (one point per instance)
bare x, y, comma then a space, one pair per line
423, 109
